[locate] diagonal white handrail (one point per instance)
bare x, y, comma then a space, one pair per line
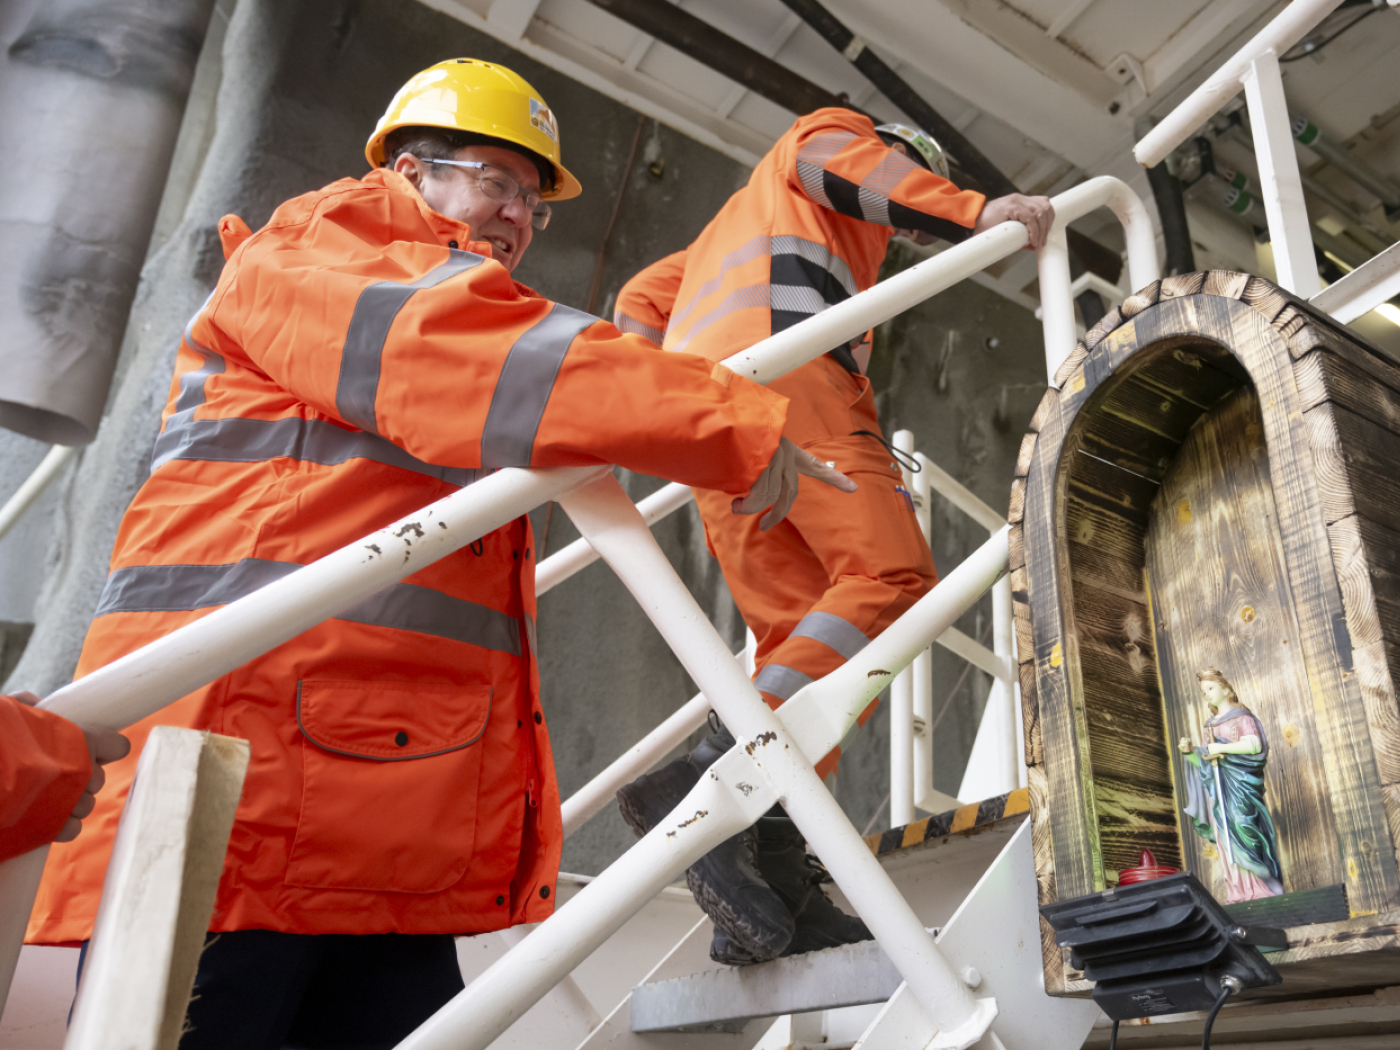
150, 678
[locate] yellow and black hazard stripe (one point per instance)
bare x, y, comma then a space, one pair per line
964, 819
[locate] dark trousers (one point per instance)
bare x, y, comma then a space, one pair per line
263, 990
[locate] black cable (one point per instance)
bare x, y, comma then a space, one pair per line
1210, 1017
910, 463
1113, 1037
1319, 45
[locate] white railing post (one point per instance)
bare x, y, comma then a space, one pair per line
1056, 303
1295, 262
903, 790
50, 467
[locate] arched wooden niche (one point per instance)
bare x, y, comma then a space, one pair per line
1215, 487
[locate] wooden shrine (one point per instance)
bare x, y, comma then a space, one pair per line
1205, 561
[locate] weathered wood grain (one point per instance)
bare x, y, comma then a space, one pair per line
1072, 361
1021, 617
1110, 488
1016, 508
1049, 405
1323, 376
1023, 457
1376, 678
1043, 848
1215, 559
1225, 284
1128, 445
1355, 465
1107, 323
1030, 715
1141, 300
1267, 299
1182, 284
1015, 548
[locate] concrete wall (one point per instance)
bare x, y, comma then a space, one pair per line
285, 107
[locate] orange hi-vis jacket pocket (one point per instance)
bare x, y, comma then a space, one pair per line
389, 784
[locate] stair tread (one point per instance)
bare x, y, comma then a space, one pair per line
965, 820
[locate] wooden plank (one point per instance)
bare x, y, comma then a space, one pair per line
1042, 846
1141, 300
1375, 675
1218, 578
1390, 794
1030, 715
1132, 820
1049, 405
1106, 531
1182, 284
1267, 299
1354, 568
1016, 508
1345, 343
1111, 488
1077, 864
1127, 445
1108, 323
1152, 408
1225, 283
1356, 461
1195, 372
1015, 548
1023, 457
159, 892
1068, 366
1324, 376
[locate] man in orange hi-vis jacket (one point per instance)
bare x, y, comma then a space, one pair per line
362, 355
809, 230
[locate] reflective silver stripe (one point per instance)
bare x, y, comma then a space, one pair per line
829, 629
740, 256
634, 327
812, 159
532, 636
739, 299
796, 299
820, 255
780, 681
375, 310
875, 189
191, 393
523, 389
403, 606
306, 440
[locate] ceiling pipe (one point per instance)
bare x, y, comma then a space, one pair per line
722, 53
1171, 210
1085, 253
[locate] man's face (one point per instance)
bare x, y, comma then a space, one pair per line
456, 193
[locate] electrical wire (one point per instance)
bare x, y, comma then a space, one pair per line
1210, 1017
1308, 48
1113, 1037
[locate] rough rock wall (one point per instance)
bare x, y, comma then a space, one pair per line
302, 84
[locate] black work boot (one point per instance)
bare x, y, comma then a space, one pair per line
796, 876
725, 882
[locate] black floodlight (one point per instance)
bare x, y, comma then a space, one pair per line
1161, 947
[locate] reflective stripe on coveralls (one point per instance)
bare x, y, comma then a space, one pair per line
827, 628
404, 606
631, 324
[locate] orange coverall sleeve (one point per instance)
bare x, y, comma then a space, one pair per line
841, 164
645, 303
354, 312
44, 768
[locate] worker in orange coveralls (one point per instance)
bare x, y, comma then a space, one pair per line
362, 355
809, 230
50, 771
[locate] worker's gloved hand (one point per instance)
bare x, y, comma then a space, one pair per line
776, 487
104, 745
1035, 213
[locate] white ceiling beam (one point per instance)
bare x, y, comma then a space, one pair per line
512, 16
776, 41
931, 38
1067, 16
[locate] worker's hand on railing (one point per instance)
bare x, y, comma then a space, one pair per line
104, 745
776, 487
1037, 214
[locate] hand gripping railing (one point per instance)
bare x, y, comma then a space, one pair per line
770, 764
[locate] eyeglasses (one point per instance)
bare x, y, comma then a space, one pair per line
500, 187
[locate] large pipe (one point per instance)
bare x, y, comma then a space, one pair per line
1086, 253
1171, 211
92, 92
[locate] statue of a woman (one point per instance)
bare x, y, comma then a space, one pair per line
1225, 789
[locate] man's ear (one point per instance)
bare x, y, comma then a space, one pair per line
411, 168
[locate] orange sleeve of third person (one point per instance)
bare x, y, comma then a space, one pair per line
44, 768
442, 353
645, 303
841, 164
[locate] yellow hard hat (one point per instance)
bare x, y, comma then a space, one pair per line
482, 97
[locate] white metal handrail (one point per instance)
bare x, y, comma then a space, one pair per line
772, 764
1255, 69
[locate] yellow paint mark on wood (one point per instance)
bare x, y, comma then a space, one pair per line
1351, 867
1057, 656
1077, 383
1183, 511
1247, 614
965, 817
914, 833
1018, 801
1292, 735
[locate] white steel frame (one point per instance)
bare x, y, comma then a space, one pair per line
774, 758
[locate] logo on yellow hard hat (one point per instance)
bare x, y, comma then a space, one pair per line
480, 97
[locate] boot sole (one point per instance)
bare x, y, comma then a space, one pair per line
757, 943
